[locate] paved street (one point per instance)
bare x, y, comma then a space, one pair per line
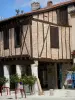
57, 95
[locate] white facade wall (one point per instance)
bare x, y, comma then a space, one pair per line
73, 32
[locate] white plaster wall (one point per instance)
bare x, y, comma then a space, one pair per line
10, 42
12, 39
2, 44
46, 16
41, 16
34, 39
73, 32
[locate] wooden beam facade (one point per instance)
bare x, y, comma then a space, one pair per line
35, 36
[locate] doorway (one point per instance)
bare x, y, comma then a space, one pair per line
1, 71
42, 74
12, 71
59, 75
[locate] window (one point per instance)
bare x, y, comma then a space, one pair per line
17, 36
1, 36
54, 37
6, 38
62, 16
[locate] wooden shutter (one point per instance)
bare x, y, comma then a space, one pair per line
58, 16
6, 38
18, 36
54, 37
62, 16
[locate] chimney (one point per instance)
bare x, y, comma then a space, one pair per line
35, 5
49, 3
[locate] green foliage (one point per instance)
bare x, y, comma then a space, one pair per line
22, 11
3, 80
30, 80
17, 11
24, 79
72, 69
14, 78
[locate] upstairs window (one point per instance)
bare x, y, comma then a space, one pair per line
6, 38
62, 16
17, 36
54, 37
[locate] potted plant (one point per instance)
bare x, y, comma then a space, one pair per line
72, 69
3, 80
14, 79
28, 80
24, 79
31, 82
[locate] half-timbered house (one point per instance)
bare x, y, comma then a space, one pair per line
39, 43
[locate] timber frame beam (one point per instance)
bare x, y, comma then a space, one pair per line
47, 22
54, 60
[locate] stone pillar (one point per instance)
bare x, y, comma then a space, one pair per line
74, 61
18, 70
34, 68
7, 75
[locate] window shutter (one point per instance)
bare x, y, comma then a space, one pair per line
62, 16
54, 36
18, 35
6, 38
58, 16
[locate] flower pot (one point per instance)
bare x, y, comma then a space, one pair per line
26, 87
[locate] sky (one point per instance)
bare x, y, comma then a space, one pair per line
7, 7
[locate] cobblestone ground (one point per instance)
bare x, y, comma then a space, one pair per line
56, 95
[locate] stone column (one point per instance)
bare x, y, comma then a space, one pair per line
18, 70
7, 75
34, 68
74, 61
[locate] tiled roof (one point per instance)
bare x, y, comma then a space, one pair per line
42, 10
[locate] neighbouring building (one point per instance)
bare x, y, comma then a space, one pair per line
40, 43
